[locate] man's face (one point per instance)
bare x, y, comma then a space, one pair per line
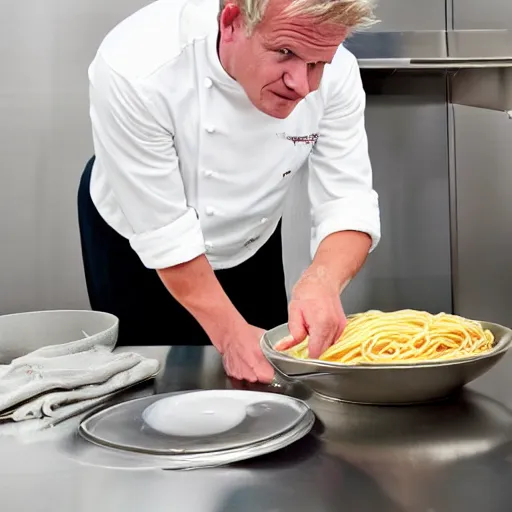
283, 59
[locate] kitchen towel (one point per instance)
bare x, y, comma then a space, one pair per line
60, 381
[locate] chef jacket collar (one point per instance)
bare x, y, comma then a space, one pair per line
219, 74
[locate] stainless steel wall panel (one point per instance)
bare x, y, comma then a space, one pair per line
397, 15
483, 154
45, 49
477, 15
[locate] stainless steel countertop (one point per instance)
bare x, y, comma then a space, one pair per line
446, 457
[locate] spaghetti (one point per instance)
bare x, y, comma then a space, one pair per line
405, 336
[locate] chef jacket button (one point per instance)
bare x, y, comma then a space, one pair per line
208, 82
208, 246
264, 220
210, 128
209, 173
209, 211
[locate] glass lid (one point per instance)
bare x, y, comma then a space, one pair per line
196, 422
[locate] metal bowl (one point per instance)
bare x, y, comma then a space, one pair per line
22, 333
385, 384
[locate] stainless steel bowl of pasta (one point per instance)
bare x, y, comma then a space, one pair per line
396, 358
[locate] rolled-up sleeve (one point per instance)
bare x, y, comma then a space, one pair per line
140, 164
340, 173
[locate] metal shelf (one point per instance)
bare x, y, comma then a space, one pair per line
478, 62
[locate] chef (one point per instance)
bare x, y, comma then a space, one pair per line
201, 119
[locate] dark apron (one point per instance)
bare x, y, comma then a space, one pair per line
118, 283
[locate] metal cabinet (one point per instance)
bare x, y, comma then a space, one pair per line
482, 165
482, 260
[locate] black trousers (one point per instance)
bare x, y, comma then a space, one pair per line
118, 283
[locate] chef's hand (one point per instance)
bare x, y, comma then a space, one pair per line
315, 311
242, 356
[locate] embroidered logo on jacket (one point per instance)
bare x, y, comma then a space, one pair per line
251, 241
300, 139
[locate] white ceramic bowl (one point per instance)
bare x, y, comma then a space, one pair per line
22, 333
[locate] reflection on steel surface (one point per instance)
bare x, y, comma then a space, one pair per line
446, 457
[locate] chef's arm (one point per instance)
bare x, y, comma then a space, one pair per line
345, 208
194, 285
339, 257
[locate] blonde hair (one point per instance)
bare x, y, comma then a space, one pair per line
353, 14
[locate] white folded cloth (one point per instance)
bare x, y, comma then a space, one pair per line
57, 382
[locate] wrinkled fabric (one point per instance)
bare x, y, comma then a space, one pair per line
57, 382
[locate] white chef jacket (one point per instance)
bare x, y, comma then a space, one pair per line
186, 165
